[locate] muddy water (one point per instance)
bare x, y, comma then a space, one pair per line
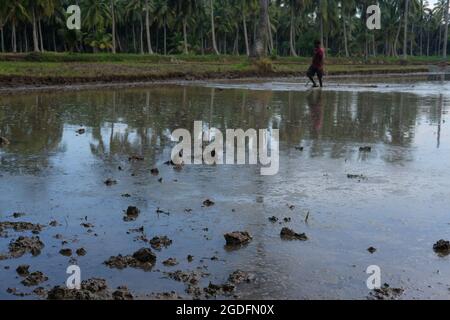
52, 173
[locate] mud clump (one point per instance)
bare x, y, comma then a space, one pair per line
81, 131
122, 293
92, 289
240, 276
21, 226
17, 215
131, 214
288, 234
110, 182
237, 238
185, 277
372, 250
142, 259
23, 245
158, 243
166, 296
34, 279
213, 290
442, 247
53, 223
273, 219
23, 270
208, 203
81, 252
144, 255
359, 177
65, 252
170, 262
386, 293
154, 172
87, 225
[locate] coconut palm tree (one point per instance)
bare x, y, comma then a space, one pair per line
164, 17
260, 45
446, 30
15, 12
213, 27
3, 8
184, 9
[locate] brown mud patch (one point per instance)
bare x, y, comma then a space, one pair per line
13, 83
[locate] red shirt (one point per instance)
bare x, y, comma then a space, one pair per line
318, 58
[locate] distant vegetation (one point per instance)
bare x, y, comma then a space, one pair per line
225, 27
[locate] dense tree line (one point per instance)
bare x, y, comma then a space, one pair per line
247, 27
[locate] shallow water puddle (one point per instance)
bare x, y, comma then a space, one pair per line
392, 196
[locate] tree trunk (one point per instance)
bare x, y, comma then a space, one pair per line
40, 35
269, 34
438, 49
321, 29
147, 26
236, 41
55, 49
292, 35
374, 46
35, 32
14, 38
2, 36
397, 37
165, 37
405, 35
141, 35
446, 30
347, 54
134, 39
261, 32
113, 27
213, 29
25, 38
244, 23
421, 42
186, 50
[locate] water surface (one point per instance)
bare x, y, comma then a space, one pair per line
52, 173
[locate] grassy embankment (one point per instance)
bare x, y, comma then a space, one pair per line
68, 68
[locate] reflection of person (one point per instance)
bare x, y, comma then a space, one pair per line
315, 105
317, 64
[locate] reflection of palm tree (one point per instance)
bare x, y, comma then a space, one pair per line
34, 128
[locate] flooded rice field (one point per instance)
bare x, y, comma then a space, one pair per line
361, 167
